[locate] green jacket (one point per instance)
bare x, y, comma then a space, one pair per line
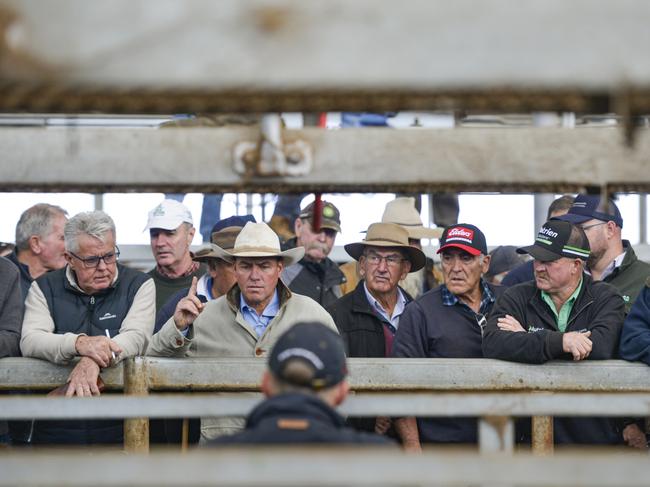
629, 278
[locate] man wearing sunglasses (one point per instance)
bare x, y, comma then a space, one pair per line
93, 309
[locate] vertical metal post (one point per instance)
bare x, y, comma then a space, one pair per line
496, 434
136, 430
643, 218
541, 203
542, 432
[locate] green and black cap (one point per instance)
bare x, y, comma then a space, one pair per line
552, 242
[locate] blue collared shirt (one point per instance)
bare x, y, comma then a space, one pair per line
487, 298
260, 322
379, 309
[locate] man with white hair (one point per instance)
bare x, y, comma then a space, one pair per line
246, 321
171, 230
70, 312
39, 243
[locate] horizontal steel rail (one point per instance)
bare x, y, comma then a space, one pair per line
494, 390
366, 374
463, 159
320, 466
422, 404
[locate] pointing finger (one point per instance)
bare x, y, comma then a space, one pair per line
192, 291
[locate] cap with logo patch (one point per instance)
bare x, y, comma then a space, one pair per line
552, 243
591, 207
317, 346
330, 215
465, 237
168, 215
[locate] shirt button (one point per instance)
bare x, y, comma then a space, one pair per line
179, 342
259, 351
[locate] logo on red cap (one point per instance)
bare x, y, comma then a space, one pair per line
460, 233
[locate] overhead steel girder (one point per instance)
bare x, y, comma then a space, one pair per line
370, 160
295, 55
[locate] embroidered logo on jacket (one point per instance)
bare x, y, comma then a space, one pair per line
107, 316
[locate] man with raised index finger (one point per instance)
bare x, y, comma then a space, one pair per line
563, 314
246, 321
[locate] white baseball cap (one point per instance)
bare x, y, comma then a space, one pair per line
168, 215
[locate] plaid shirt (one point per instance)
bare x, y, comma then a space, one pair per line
450, 299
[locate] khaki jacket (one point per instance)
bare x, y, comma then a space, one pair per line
221, 331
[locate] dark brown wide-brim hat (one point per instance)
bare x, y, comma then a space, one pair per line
224, 238
388, 235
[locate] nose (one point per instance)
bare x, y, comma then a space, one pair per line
101, 265
255, 273
383, 265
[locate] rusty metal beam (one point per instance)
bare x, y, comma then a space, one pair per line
367, 160
257, 55
542, 435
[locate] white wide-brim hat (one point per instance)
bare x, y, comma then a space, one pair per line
259, 240
402, 212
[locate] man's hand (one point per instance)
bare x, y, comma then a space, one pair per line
577, 344
83, 379
509, 323
98, 348
382, 424
188, 308
634, 437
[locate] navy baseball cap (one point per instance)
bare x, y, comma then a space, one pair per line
317, 346
232, 221
552, 243
465, 237
590, 207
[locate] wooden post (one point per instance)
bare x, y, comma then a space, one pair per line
136, 431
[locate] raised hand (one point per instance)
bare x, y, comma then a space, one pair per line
188, 308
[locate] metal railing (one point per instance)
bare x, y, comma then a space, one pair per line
493, 390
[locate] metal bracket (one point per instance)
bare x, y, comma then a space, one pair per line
270, 156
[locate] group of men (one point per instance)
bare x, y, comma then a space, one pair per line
246, 292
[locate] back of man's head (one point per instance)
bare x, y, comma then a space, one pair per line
560, 206
308, 358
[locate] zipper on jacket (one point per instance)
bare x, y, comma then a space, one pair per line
91, 310
579, 311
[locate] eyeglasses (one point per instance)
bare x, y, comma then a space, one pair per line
391, 260
587, 227
92, 262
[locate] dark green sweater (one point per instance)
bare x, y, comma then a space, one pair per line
629, 278
166, 287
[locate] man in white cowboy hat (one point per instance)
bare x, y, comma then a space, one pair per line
448, 322
246, 321
316, 275
402, 212
369, 316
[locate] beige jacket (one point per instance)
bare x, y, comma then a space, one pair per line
39, 340
221, 331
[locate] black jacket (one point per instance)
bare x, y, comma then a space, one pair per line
360, 327
599, 308
295, 419
320, 281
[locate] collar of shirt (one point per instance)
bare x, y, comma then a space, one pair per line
562, 317
378, 308
612, 266
450, 299
260, 322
